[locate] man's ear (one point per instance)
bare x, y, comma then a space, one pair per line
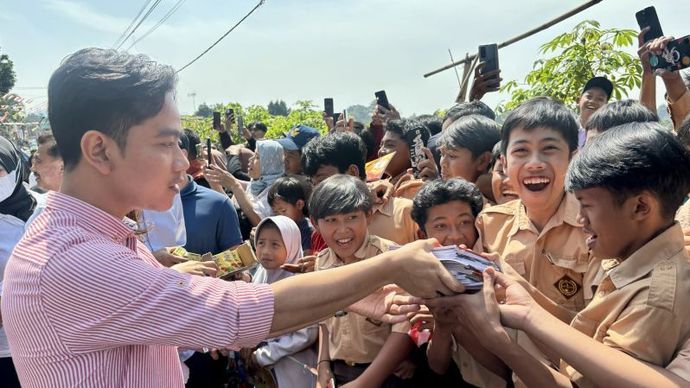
353, 170
421, 234
299, 204
645, 205
97, 150
483, 162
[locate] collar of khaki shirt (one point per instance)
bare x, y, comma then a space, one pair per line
332, 260
566, 213
386, 208
96, 219
642, 262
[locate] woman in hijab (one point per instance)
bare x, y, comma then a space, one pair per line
278, 241
16, 206
265, 167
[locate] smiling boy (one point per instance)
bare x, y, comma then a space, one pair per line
539, 235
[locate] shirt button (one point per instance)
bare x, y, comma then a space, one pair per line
602, 293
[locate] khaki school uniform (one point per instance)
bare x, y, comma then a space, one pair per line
642, 306
680, 365
393, 221
683, 215
408, 189
553, 260
354, 338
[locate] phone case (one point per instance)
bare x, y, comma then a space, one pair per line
648, 18
676, 56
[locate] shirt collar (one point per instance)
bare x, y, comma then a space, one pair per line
361, 253
642, 262
565, 214
190, 188
385, 209
88, 215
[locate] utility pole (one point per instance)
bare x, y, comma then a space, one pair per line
193, 96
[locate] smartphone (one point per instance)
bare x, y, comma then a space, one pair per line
328, 106
647, 18
345, 117
382, 99
676, 55
240, 126
216, 121
488, 54
417, 155
230, 115
208, 151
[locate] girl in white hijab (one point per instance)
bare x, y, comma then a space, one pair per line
290, 357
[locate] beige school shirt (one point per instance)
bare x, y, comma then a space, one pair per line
642, 306
553, 260
393, 221
354, 338
683, 215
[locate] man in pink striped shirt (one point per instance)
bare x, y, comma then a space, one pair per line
85, 304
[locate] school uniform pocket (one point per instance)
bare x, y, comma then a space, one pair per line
576, 264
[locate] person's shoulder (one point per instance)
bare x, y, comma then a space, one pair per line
381, 244
502, 211
325, 259
401, 204
211, 195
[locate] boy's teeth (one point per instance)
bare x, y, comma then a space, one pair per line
535, 181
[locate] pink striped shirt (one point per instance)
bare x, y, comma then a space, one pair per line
85, 304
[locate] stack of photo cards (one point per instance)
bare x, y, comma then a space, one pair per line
229, 262
465, 265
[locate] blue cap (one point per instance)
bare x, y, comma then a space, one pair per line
298, 137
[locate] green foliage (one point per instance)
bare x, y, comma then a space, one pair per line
7, 76
278, 108
303, 112
585, 52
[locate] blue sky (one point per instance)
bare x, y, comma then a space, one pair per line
309, 49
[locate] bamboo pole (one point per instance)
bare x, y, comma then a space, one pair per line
521, 36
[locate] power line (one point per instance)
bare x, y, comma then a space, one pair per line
260, 3
146, 15
160, 22
146, 4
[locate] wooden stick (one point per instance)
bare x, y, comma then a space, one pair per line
521, 36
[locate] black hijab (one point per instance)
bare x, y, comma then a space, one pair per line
20, 203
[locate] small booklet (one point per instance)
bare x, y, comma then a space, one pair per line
229, 262
465, 265
377, 167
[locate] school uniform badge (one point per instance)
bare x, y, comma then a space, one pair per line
567, 286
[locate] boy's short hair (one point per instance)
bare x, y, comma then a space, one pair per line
258, 126
495, 155
105, 90
192, 141
439, 192
367, 138
475, 107
408, 129
684, 132
433, 123
291, 188
631, 158
340, 194
541, 112
618, 113
48, 138
338, 149
477, 133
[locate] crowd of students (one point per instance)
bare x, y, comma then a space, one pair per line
585, 214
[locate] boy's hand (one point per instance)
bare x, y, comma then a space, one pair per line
484, 83
424, 316
389, 304
303, 265
643, 52
419, 272
382, 191
427, 167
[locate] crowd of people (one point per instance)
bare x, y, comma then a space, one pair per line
584, 213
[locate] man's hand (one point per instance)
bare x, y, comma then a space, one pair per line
206, 268
389, 304
303, 265
342, 126
427, 167
216, 176
382, 191
484, 83
424, 316
382, 115
419, 272
329, 121
643, 52
166, 258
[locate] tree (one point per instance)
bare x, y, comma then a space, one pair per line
585, 52
278, 108
204, 111
7, 76
360, 113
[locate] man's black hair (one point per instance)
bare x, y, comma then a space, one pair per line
191, 144
684, 132
48, 138
340, 194
475, 107
257, 125
367, 138
432, 123
541, 112
337, 149
105, 90
477, 133
495, 155
618, 113
408, 129
291, 188
632, 158
439, 192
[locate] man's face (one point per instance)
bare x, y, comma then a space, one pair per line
258, 134
451, 224
324, 172
591, 100
344, 233
293, 163
500, 185
536, 162
611, 232
283, 208
392, 142
459, 163
48, 169
148, 173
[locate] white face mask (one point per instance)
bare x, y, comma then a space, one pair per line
7, 185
